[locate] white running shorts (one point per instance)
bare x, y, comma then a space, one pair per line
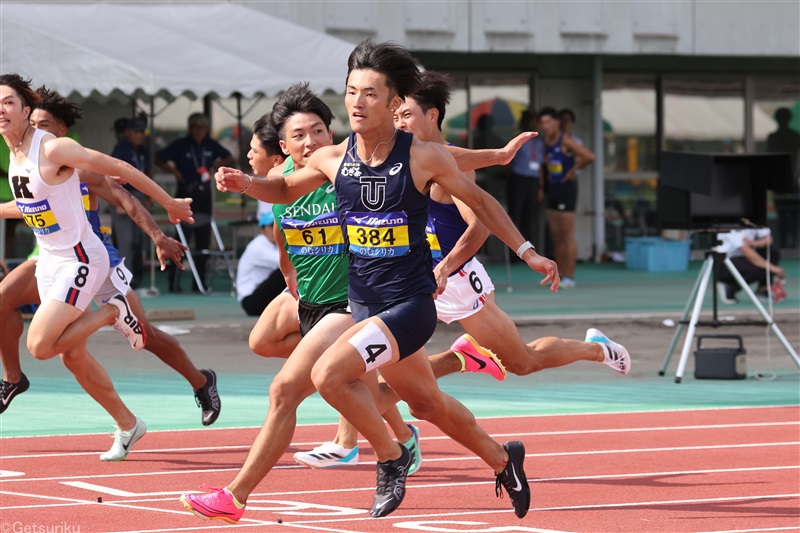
465, 293
117, 281
72, 276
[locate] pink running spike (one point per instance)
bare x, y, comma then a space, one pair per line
215, 505
477, 358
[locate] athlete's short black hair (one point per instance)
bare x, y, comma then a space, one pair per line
22, 87
568, 112
298, 99
397, 65
267, 136
549, 112
434, 90
61, 108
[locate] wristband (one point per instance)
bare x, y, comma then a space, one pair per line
524, 247
248, 185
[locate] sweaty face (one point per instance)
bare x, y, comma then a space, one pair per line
258, 158
368, 100
304, 134
410, 117
44, 120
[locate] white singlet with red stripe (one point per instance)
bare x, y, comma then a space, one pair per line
55, 213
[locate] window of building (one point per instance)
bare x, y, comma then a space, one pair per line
704, 115
630, 155
776, 128
485, 112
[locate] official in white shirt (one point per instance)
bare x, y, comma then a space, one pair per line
748, 250
258, 278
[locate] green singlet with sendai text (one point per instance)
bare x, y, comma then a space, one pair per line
315, 243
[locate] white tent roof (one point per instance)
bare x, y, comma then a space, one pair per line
165, 49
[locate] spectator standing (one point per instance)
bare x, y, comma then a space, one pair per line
193, 160
563, 158
524, 185
567, 117
119, 128
258, 278
128, 237
787, 140
784, 139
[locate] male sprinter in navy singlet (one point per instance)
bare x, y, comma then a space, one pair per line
382, 178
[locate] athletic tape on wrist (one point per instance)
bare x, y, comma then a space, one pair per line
524, 247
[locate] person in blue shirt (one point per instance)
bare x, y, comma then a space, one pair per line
564, 156
128, 237
524, 187
193, 160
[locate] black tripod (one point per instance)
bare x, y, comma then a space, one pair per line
695, 304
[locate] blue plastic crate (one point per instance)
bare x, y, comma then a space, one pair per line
654, 254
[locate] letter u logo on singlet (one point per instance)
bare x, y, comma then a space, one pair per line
373, 191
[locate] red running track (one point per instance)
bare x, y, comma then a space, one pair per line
679, 471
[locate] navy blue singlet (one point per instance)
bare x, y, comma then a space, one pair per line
558, 161
445, 227
383, 221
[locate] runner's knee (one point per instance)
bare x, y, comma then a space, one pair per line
74, 361
261, 346
324, 381
526, 363
40, 348
426, 406
287, 391
264, 342
8, 300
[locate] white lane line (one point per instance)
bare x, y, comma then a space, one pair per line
138, 498
428, 460
498, 417
442, 437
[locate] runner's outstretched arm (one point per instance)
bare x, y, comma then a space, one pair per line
473, 159
66, 152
